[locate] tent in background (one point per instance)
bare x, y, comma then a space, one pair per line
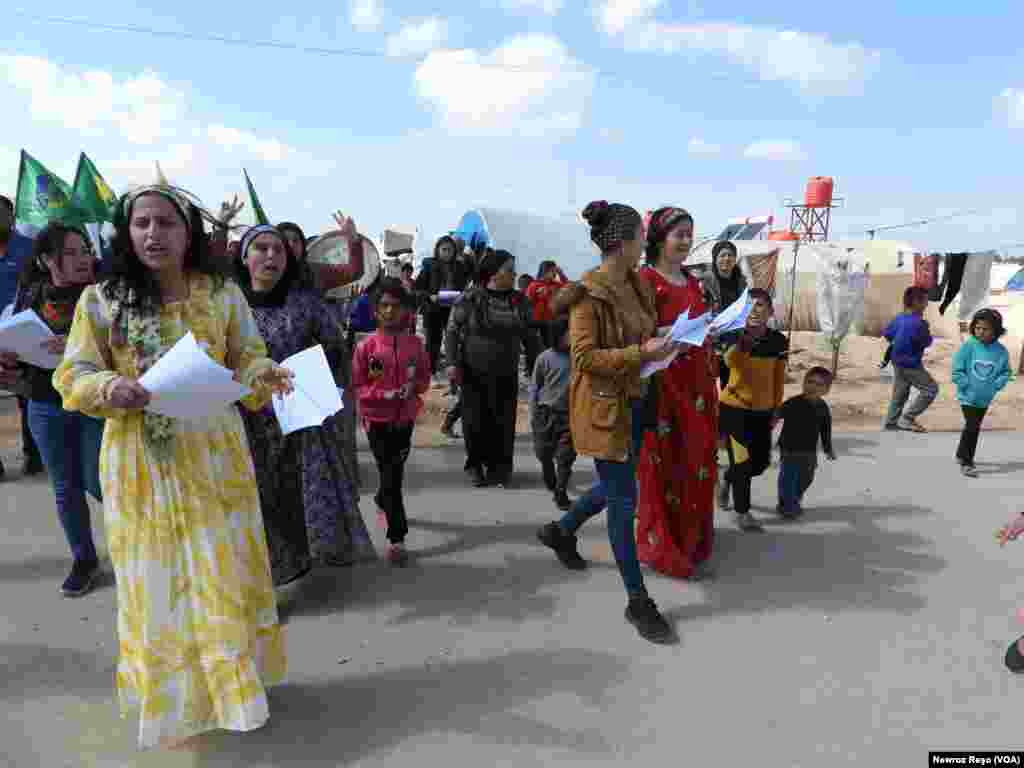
532, 238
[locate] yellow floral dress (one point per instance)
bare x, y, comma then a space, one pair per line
197, 619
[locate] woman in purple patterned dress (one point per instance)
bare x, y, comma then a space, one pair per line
307, 465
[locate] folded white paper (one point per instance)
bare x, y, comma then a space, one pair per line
24, 334
315, 396
185, 383
732, 318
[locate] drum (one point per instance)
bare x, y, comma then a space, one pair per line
332, 248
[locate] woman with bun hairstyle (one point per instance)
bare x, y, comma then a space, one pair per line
679, 456
612, 329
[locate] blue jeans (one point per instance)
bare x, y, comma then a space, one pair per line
615, 489
796, 473
69, 444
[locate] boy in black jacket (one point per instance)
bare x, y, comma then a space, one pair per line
805, 418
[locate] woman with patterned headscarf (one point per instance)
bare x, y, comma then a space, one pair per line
678, 462
612, 325
197, 620
310, 506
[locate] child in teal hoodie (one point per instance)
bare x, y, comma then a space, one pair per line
981, 367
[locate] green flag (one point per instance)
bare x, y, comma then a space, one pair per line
254, 202
92, 193
43, 196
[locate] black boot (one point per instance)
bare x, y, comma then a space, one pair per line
643, 614
564, 545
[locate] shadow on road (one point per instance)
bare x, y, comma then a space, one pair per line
337, 722
859, 566
462, 593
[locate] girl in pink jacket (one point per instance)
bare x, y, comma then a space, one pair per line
390, 373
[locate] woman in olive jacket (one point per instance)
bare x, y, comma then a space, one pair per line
612, 328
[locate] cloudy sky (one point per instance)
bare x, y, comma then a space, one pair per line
404, 119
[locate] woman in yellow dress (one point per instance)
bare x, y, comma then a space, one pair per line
197, 620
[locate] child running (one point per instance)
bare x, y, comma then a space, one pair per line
549, 414
981, 368
805, 417
757, 371
910, 336
390, 373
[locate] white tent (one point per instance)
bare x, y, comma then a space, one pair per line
532, 238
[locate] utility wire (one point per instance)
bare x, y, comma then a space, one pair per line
350, 52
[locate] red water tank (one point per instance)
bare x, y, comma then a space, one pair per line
819, 192
782, 234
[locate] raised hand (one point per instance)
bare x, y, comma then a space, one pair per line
346, 226
228, 210
279, 380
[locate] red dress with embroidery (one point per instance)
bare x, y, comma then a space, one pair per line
675, 517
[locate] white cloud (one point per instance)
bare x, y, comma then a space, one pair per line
773, 150
1010, 107
270, 151
417, 38
529, 87
547, 7
614, 16
811, 61
365, 14
701, 147
142, 109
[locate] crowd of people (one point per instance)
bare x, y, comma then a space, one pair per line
203, 522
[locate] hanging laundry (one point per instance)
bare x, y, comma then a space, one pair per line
976, 286
955, 264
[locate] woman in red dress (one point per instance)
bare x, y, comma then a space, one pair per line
675, 518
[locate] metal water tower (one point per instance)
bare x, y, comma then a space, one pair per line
812, 219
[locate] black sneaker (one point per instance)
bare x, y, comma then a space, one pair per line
1014, 660
498, 479
32, 465
564, 545
80, 580
476, 477
643, 614
2, 470
562, 500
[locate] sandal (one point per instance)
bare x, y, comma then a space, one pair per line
909, 425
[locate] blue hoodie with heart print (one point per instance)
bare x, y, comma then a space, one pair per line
980, 371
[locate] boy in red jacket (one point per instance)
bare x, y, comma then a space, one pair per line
390, 373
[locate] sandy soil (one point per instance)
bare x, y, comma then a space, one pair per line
858, 399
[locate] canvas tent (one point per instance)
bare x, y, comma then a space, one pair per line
532, 238
889, 264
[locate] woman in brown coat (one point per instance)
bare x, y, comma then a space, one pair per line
612, 325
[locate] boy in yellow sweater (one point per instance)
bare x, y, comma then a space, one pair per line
757, 369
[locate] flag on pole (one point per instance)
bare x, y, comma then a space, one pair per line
254, 202
92, 193
43, 196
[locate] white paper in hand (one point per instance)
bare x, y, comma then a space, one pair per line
690, 330
732, 318
649, 369
315, 397
24, 334
187, 384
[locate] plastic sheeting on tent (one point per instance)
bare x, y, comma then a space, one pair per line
532, 238
1016, 283
842, 281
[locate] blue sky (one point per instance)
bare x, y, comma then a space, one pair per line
725, 109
